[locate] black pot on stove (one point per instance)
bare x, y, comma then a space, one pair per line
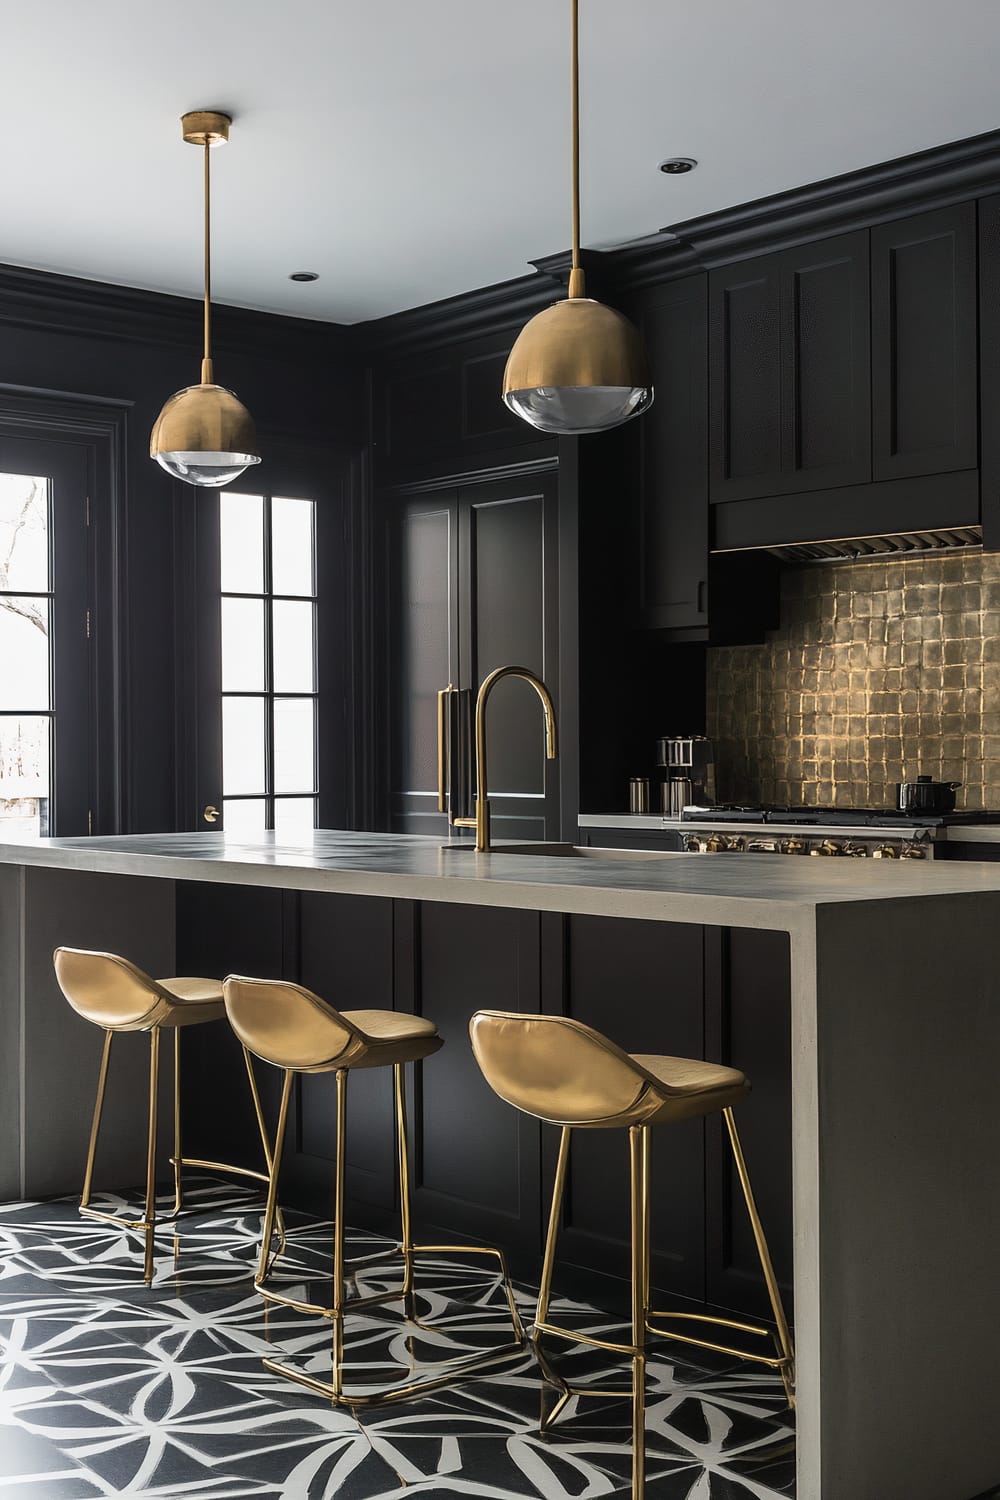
926, 795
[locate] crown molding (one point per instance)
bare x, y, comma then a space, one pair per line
477, 314
97, 309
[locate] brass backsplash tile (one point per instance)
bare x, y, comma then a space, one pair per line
880, 672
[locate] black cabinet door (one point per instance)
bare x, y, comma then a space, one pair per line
473, 584
745, 379
748, 1026
422, 653
924, 344
641, 983
790, 382
673, 539
989, 361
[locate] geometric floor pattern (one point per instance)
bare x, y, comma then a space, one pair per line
110, 1388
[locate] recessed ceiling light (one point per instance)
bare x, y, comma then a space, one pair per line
304, 276
674, 166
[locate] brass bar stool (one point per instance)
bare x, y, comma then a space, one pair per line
117, 996
567, 1074
290, 1027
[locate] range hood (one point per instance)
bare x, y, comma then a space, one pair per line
898, 546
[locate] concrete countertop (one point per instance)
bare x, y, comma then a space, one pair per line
744, 890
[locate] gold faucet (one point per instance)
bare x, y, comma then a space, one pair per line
481, 822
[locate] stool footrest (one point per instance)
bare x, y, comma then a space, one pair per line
585, 1338
774, 1362
475, 1364
218, 1166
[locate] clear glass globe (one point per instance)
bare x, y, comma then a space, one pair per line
579, 408
207, 469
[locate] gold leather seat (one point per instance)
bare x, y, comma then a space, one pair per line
565, 1073
116, 995
293, 1029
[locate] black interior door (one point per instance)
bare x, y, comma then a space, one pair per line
47, 633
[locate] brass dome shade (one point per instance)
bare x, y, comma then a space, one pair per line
577, 367
204, 435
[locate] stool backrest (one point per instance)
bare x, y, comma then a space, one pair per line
107, 989
286, 1024
559, 1070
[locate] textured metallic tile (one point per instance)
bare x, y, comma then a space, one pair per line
879, 671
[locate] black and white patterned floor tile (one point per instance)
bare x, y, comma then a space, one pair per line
110, 1388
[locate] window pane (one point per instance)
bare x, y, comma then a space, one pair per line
24, 775
293, 647
24, 652
243, 646
292, 569
242, 745
244, 819
294, 816
294, 758
24, 532
242, 540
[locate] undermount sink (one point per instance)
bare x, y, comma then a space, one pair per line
560, 851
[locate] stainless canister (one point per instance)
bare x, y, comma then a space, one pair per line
638, 794
678, 792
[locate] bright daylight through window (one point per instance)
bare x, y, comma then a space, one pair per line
269, 719
25, 656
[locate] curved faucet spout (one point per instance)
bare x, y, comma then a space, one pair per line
481, 822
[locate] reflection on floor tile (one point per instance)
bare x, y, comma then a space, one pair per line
108, 1387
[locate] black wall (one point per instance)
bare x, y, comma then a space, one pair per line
107, 343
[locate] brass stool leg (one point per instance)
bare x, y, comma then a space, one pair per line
406, 1229
337, 1318
265, 1142
150, 1219
784, 1337
177, 1120
272, 1187
96, 1123
638, 1161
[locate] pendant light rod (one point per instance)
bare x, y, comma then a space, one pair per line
207, 376
576, 278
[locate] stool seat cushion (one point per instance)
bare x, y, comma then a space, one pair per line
560, 1070
289, 1026
693, 1087
112, 992
192, 1000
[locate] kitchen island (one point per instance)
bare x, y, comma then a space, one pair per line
894, 1047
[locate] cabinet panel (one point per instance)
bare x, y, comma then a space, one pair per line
748, 1026
924, 343
745, 345
642, 984
421, 412
826, 382
673, 540
422, 544
476, 1159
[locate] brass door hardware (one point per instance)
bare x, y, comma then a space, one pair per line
210, 813
449, 698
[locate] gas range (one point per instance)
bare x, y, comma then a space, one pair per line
859, 833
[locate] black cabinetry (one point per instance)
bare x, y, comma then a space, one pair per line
472, 583
789, 336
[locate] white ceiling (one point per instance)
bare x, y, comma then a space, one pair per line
409, 150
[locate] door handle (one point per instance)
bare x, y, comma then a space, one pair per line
210, 813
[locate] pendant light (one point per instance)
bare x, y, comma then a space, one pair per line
204, 435
578, 366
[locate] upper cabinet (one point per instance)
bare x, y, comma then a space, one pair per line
672, 542
790, 371
924, 344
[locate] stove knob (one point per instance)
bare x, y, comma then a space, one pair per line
795, 846
884, 851
714, 843
856, 851
913, 851
735, 844
694, 845
827, 847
